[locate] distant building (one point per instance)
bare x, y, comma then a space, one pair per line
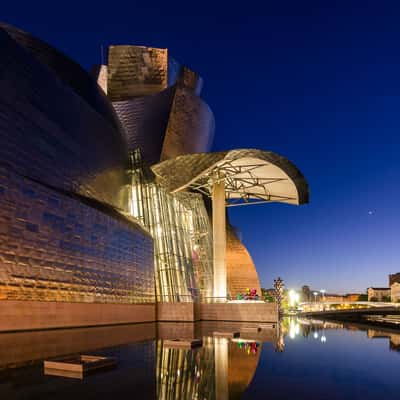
395, 292
378, 294
306, 293
352, 297
394, 278
332, 298
394, 282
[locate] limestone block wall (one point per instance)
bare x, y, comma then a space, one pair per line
178, 312
31, 315
258, 312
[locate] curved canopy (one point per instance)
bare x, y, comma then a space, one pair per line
251, 176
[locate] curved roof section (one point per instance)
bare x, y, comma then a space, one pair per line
67, 70
250, 175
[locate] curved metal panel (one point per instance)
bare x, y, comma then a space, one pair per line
53, 247
67, 70
145, 121
190, 80
50, 134
190, 127
240, 269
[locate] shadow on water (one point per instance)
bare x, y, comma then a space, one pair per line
300, 358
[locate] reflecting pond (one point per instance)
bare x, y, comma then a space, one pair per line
298, 359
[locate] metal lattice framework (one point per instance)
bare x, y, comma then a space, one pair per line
250, 176
242, 185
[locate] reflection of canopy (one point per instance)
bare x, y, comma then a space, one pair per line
250, 176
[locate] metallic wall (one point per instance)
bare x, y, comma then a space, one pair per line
145, 119
190, 127
240, 268
50, 133
64, 164
55, 248
68, 71
158, 102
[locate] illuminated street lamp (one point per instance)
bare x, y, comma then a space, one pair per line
323, 291
315, 296
294, 298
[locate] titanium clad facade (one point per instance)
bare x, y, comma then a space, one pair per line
67, 71
55, 248
51, 134
190, 127
158, 102
241, 272
144, 120
63, 181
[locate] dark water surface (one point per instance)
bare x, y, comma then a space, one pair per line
301, 359
348, 363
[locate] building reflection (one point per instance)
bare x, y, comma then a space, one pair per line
221, 369
394, 338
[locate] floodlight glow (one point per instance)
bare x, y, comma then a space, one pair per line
294, 298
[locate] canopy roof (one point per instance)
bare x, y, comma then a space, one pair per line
251, 176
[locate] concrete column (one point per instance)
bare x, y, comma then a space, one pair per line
219, 237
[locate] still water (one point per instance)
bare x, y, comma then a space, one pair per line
300, 359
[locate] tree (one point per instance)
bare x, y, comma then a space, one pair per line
363, 297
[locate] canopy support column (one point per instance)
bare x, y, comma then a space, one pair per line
219, 237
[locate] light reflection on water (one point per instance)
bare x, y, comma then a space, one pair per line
299, 359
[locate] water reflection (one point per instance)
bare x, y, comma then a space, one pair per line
221, 369
319, 330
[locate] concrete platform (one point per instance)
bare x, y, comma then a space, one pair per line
77, 366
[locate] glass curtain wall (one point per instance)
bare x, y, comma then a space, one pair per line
182, 237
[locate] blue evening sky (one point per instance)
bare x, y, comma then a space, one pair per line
318, 82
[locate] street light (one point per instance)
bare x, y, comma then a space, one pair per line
323, 298
293, 298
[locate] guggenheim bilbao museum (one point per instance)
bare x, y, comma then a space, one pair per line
112, 206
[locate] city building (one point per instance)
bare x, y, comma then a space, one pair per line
378, 294
110, 199
394, 283
352, 297
306, 294
329, 297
